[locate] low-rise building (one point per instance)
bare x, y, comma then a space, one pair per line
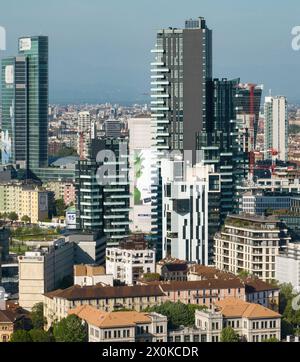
88, 275
139, 297
171, 269
10, 321
122, 326
251, 244
288, 266
128, 262
108, 299
252, 322
256, 290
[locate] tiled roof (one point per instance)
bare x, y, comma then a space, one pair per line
202, 284
98, 292
236, 308
7, 316
176, 267
102, 319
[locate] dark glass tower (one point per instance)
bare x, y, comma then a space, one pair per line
25, 105
182, 66
35, 49
14, 111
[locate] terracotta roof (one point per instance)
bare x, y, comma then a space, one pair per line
8, 316
102, 319
257, 285
236, 308
202, 284
98, 292
88, 270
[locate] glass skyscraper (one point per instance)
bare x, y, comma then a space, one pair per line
25, 105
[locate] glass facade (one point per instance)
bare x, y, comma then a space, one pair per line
25, 105
35, 49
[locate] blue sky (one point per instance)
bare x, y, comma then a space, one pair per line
100, 50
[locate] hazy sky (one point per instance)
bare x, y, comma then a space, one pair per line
100, 50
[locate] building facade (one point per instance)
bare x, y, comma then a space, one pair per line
42, 271
251, 244
252, 322
127, 263
276, 127
25, 200
288, 266
185, 195
122, 326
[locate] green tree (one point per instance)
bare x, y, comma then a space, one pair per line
37, 316
70, 329
244, 274
271, 340
12, 216
60, 207
228, 335
20, 336
26, 219
178, 314
38, 335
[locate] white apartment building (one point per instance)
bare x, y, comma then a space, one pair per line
141, 161
276, 127
128, 263
185, 210
122, 326
250, 243
288, 266
41, 271
252, 322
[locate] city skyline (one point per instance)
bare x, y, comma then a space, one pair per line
117, 70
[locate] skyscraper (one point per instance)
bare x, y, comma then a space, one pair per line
182, 66
180, 71
14, 111
25, 105
102, 190
276, 127
35, 49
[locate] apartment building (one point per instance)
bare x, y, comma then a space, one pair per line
171, 269
122, 326
251, 244
88, 275
252, 322
25, 200
128, 262
62, 190
185, 194
43, 270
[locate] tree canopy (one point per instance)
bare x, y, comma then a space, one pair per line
37, 316
38, 335
70, 329
20, 336
228, 335
178, 314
